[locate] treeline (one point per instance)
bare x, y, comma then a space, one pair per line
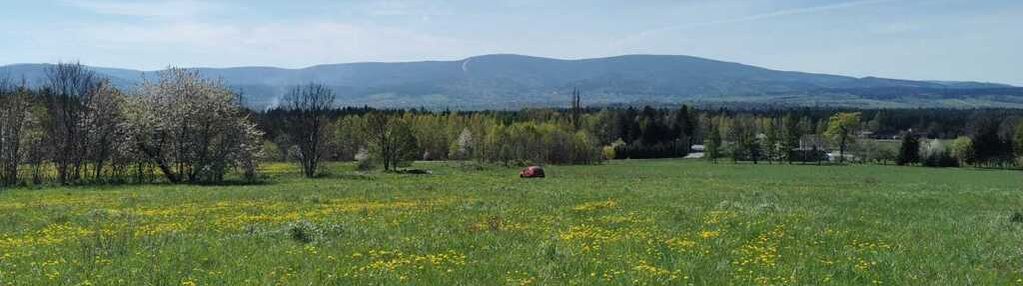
982, 138
79, 128
392, 138
180, 127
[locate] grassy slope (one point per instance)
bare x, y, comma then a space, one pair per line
652, 222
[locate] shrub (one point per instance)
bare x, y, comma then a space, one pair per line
608, 152
909, 151
307, 232
638, 150
468, 166
936, 154
363, 161
301, 232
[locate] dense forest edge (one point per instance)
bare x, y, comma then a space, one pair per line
182, 127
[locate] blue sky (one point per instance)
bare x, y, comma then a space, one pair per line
913, 39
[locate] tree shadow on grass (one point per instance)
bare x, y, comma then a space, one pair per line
361, 176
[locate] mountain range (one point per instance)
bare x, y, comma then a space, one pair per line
506, 81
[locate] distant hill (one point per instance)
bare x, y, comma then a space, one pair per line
513, 81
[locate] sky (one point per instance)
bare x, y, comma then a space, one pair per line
977, 40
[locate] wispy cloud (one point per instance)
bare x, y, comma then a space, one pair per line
418, 9
786, 12
164, 8
754, 17
291, 44
390, 8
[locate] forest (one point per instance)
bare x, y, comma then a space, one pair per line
181, 127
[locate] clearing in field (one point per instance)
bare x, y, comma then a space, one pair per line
624, 222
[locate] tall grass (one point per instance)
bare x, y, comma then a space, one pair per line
625, 222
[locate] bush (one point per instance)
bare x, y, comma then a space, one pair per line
808, 155
469, 166
608, 152
301, 233
363, 161
307, 232
936, 154
940, 159
909, 151
638, 150
364, 165
1016, 217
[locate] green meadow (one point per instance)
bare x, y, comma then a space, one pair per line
646, 222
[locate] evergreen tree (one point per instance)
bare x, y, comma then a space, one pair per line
988, 145
909, 152
712, 143
772, 140
790, 138
577, 109
650, 126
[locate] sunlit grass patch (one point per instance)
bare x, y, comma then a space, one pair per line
592, 206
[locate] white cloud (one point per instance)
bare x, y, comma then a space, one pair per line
639, 37
293, 44
390, 8
165, 8
785, 12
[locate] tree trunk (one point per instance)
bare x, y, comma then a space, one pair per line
167, 172
841, 150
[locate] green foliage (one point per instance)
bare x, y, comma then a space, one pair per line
990, 145
390, 140
909, 151
962, 149
610, 152
639, 150
936, 154
772, 141
841, 130
543, 142
744, 142
874, 151
1018, 138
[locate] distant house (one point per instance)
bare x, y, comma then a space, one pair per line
884, 135
696, 152
811, 149
812, 142
833, 156
697, 148
890, 135
917, 133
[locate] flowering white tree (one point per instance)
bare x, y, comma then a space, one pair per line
193, 129
462, 148
102, 122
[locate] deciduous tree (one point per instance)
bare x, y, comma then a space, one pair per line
841, 130
307, 107
69, 88
193, 129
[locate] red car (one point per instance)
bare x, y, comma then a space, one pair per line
532, 172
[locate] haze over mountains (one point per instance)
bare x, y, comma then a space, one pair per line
513, 81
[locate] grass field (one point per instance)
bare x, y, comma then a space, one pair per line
625, 222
